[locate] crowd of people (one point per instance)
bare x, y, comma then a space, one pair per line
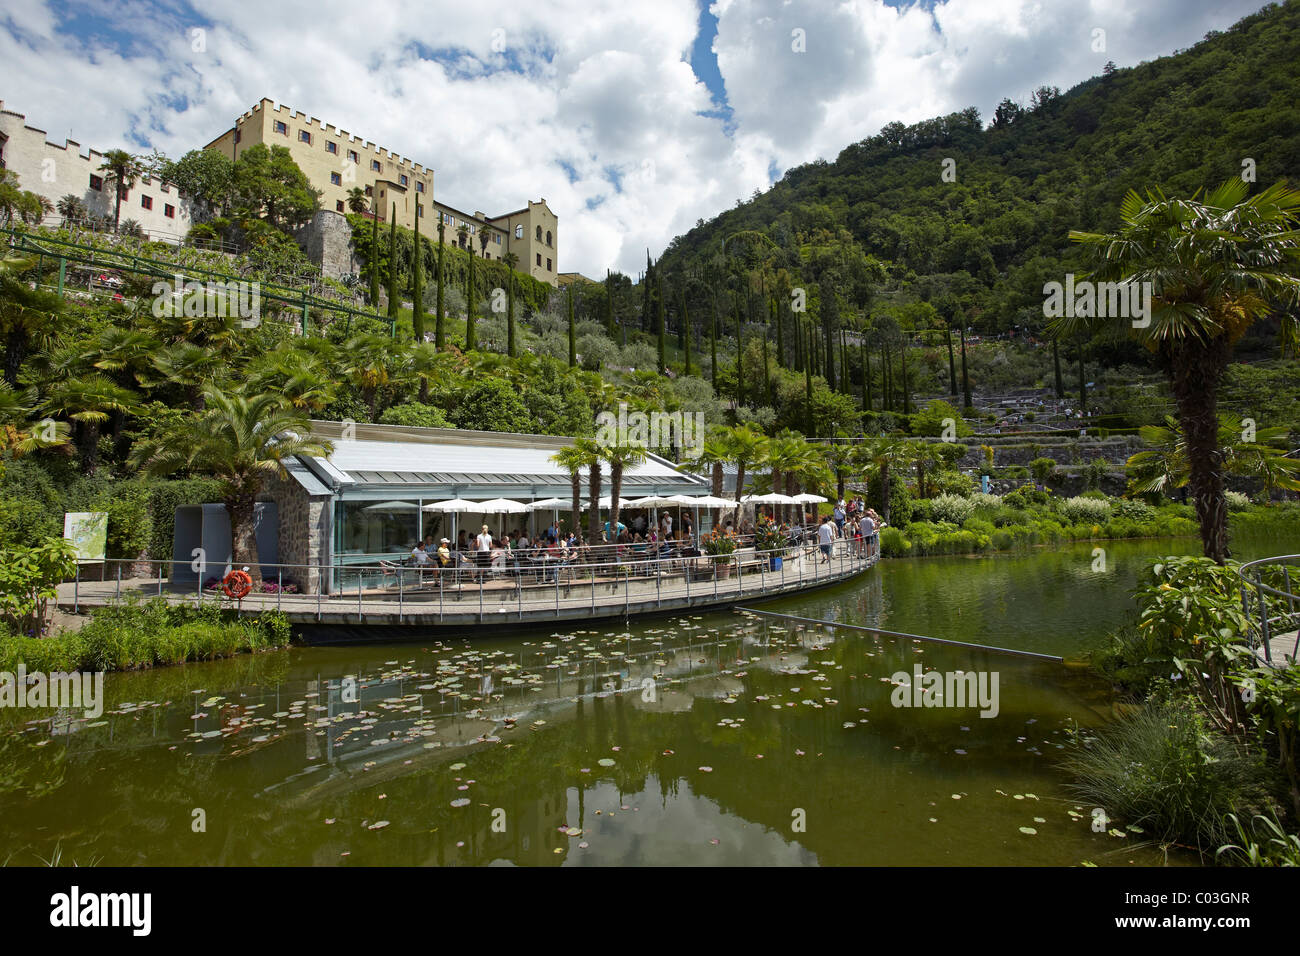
553, 548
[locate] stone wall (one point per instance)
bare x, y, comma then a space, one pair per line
304, 532
327, 242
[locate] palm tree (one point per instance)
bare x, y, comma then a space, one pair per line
17, 434
88, 400
241, 440
484, 237
121, 169
28, 317
713, 456
1215, 264
357, 200
1166, 465
744, 447
783, 453
618, 458
926, 457
591, 459
573, 459
35, 208
839, 456
462, 237
885, 455
427, 362
367, 363
186, 364
511, 260
303, 378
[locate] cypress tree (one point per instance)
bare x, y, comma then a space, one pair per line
609, 304
965, 377
828, 325
439, 322
374, 261
907, 395
686, 331
952, 365
866, 374
573, 333
713, 346
807, 389
767, 381
471, 335
740, 370
510, 311
392, 266
780, 337
1083, 385
1056, 363
417, 286
660, 333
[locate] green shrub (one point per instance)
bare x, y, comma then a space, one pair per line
1236, 501
1089, 511
415, 414
979, 526
1025, 497
1133, 510
893, 544
951, 508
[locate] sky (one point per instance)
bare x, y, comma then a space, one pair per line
633, 120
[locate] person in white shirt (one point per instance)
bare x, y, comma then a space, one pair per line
825, 535
667, 525
867, 528
484, 539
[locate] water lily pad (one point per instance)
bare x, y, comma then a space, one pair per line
1030, 831
606, 761
460, 802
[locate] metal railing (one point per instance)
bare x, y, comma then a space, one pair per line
537, 585
1272, 609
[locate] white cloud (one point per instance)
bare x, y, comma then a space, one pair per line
602, 87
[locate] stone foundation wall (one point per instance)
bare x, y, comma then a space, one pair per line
327, 242
303, 533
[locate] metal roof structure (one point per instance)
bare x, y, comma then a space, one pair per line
376, 461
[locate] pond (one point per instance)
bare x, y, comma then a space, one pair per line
720, 738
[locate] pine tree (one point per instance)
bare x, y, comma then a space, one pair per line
713, 346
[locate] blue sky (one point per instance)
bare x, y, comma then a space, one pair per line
620, 115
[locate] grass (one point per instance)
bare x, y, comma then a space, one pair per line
1163, 769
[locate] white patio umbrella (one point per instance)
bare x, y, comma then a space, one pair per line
549, 504
809, 499
453, 506
392, 506
502, 506
771, 498
703, 501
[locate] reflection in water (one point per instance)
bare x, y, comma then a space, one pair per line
718, 739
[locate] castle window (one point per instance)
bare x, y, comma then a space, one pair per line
352, 155
519, 232
548, 266
336, 179
419, 186
539, 233
332, 147
548, 237
146, 202
281, 128
376, 165
539, 258
97, 183
169, 211
338, 205
402, 179
304, 137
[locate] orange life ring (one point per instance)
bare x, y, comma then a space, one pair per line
237, 584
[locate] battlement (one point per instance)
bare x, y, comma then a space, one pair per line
287, 114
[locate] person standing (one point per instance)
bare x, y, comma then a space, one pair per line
825, 535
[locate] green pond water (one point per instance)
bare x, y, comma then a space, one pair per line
717, 738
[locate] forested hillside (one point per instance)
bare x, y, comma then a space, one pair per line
882, 221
